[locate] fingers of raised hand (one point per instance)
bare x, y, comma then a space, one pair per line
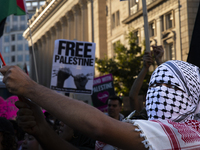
20, 104
4, 69
24, 112
25, 118
26, 124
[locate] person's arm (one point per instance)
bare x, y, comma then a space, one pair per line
31, 119
135, 89
147, 61
76, 114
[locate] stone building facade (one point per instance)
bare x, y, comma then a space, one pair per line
80, 20
171, 24
105, 22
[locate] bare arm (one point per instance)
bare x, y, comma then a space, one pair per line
135, 89
75, 114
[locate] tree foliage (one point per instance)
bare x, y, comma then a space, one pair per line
124, 66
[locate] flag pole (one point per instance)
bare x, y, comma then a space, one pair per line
146, 25
33, 50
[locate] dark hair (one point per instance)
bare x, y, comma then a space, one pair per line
19, 132
114, 97
82, 142
9, 140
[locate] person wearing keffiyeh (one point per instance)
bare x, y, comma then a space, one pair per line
174, 92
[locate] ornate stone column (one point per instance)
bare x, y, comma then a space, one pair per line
159, 31
47, 52
84, 14
43, 60
89, 22
58, 30
53, 37
77, 14
63, 22
35, 61
38, 59
71, 28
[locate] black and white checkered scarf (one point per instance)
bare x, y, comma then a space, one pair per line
174, 92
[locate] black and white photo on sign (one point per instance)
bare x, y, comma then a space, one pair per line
73, 66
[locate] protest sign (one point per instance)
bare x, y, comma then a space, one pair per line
103, 88
8, 108
73, 66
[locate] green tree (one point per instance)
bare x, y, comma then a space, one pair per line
124, 66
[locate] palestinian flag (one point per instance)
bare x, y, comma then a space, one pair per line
9, 7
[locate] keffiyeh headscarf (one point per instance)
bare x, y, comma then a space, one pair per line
174, 92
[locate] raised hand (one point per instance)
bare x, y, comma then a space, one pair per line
30, 117
147, 60
63, 74
158, 53
81, 80
16, 80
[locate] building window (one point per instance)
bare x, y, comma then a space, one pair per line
6, 38
7, 29
106, 10
34, 4
20, 47
13, 48
114, 45
13, 37
169, 48
12, 59
28, 4
152, 29
162, 23
7, 49
19, 37
22, 27
27, 58
167, 21
136, 37
15, 28
133, 4
7, 59
15, 18
22, 18
115, 19
20, 58
42, 3
30, 15
26, 47
8, 19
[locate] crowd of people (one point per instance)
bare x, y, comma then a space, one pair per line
173, 95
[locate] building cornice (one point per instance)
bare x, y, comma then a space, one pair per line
45, 11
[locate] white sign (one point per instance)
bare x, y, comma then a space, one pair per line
73, 66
